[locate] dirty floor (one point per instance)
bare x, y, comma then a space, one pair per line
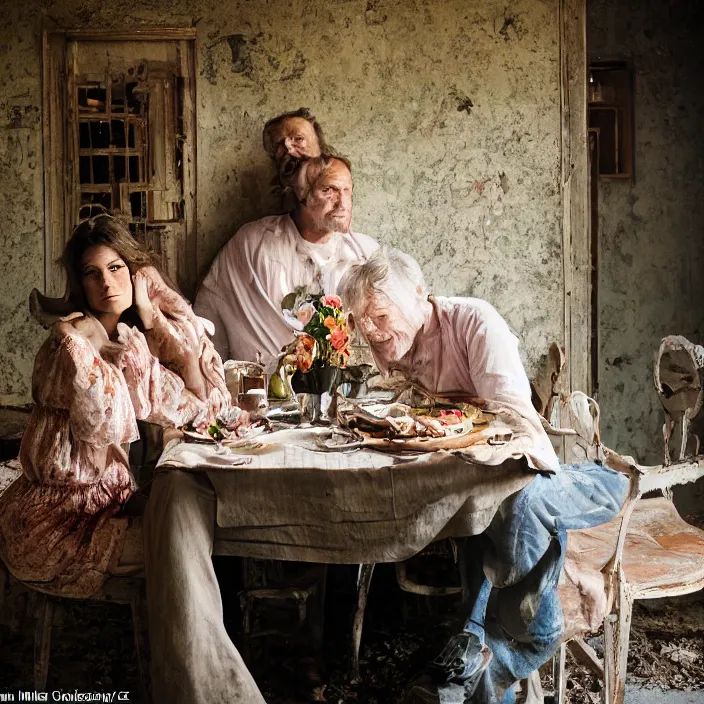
93, 649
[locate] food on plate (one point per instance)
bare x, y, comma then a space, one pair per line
236, 424
398, 421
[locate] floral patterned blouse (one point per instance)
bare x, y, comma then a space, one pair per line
58, 528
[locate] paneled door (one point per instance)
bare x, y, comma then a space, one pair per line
120, 133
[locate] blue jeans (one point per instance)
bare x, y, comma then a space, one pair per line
516, 609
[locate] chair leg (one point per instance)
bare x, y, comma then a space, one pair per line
559, 677
42, 641
685, 436
364, 581
245, 647
140, 645
617, 631
610, 628
667, 428
3, 590
316, 610
623, 637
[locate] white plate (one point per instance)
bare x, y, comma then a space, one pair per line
192, 436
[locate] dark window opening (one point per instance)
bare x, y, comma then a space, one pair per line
611, 116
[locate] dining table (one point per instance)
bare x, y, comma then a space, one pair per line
296, 494
289, 495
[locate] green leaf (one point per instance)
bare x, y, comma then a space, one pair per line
288, 300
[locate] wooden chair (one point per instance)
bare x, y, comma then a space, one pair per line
272, 581
406, 583
438, 553
119, 590
647, 552
677, 375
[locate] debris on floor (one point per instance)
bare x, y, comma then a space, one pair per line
93, 648
666, 650
93, 645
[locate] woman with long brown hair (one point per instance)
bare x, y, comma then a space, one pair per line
124, 346
131, 348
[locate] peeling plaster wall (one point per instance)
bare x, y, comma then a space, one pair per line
21, 186
449, 112
651, 229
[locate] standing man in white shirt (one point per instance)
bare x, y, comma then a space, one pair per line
270, 258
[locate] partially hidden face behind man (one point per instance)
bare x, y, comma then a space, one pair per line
290, 140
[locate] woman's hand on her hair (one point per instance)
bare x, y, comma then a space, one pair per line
152, 292
142, 299
149, 288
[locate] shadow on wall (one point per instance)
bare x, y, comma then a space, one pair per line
245, 195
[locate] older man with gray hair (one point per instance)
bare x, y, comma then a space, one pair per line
459, 347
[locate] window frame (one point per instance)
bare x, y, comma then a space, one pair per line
60, 171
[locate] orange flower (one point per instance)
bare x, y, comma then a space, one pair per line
338, 339
330, 323
305, 352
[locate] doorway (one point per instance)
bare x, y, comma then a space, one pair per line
119, 133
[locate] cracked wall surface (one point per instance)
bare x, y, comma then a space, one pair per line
651, 228
21, 186
449, 112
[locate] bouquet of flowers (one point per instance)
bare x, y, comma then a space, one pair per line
323, 340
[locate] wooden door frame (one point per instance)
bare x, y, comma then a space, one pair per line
593, 187
59, 170
576, 226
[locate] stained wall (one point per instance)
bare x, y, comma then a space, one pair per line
449, 112
21, 193
651, 227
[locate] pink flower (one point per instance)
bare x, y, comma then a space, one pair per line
331, 301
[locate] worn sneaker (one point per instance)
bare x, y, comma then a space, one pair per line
470, 680
464, 657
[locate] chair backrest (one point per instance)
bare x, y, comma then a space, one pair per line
546, 387
677, 375
582, 414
